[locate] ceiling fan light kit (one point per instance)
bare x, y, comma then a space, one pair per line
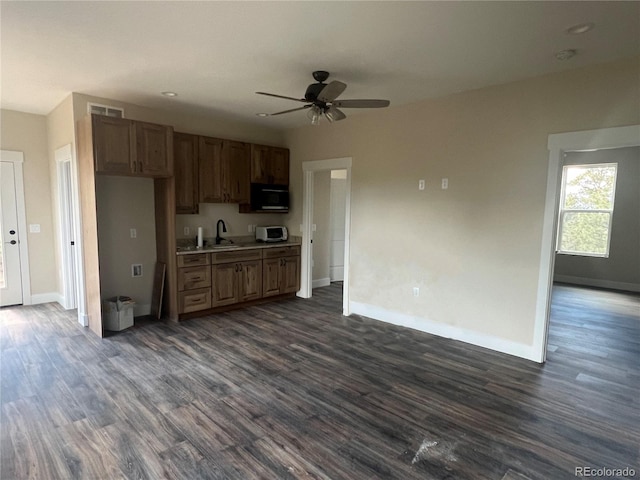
321, 100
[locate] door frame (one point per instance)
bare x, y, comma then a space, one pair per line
306, 277
67, 232
17, 158
558, 144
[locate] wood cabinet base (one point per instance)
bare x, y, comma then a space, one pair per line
235, 306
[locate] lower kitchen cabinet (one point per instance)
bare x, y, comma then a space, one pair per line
280, 270
219, 279
194, 282
237, 277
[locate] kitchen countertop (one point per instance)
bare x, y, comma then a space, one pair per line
236, 245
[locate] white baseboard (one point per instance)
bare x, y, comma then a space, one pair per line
321, 282
595, 282
447, 331
49, 297
336, 274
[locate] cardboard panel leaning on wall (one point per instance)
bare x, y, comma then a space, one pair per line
27, 133
622, 268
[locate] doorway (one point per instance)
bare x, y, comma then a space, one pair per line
558, 145
67, 231
14, 261
310, 169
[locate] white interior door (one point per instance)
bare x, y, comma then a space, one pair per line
10, 269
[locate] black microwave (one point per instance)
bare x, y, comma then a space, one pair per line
269, 197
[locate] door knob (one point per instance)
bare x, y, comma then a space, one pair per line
12, 232
13, 242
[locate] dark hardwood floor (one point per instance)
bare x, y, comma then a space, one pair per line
295, 390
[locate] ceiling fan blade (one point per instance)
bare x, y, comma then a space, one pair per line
333, 114
361, 103
292, 110
282, 96
331, 91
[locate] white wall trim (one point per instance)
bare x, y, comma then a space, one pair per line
63, 156
321, 282
597, 282
444, 330
49, 297
558, 144
308, 169
17, 158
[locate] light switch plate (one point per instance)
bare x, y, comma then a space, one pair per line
34, 228
445, 183
133, 232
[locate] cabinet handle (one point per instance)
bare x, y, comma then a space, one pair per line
239, 267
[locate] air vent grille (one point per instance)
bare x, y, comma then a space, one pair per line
97, 109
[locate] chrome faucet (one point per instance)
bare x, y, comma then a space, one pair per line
224, 230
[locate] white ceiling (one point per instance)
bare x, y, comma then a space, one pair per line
215, 55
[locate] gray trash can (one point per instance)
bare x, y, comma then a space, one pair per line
117, 313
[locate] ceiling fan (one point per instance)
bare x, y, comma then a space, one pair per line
321, 100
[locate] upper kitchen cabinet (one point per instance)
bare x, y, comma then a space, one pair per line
269, 165
154, 149
236, 157
113, 145
210, 168
128, 147
224, 171
185, 168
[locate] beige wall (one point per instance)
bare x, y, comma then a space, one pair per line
237, 223
474, 249
60, 132
622, 268
27, 133
124, 203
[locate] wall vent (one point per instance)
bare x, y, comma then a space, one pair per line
107, 110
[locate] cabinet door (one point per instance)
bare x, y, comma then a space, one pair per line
185, 160
279, 166
113, 146
210, 170
250, 280
290, 275
235, 171
259, 164
271, 277
154, 149
225, 286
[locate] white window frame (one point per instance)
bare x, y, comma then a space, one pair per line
563, 210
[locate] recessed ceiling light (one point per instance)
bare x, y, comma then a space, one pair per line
170, 94
262, 114
566, 54
580, 28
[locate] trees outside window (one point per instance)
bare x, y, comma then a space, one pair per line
586, 209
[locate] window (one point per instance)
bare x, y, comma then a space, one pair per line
586, 209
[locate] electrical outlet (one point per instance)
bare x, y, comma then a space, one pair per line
185, 231
416, 291
136, 270
445, 183
421, 184
133, 232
